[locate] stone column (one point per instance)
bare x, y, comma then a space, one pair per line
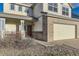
22, 29
17, 32
44, 19
2, 27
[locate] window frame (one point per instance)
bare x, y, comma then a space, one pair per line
53, 6
20, 8
65, 11
26, 9
12, 6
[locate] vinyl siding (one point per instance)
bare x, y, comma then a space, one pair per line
37, 13
45, 9
7, 10
38, 25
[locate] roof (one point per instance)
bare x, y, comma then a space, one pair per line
25, 4
70, 5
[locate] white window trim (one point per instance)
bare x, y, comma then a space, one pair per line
65, 11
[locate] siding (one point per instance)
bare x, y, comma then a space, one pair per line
37, 13
37, 10
16, 12
45, 9
38, 25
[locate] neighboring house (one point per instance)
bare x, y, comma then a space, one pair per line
15, 18
47, 22
54, 22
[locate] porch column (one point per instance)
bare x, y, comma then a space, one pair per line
17, 31
22, 29
2, 27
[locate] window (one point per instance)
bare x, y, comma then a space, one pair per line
53, 7
20, 8
26, 9
29, 12
65, 11
12, 6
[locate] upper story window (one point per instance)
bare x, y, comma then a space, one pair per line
26, 9
65, 11
20, 8
53, 7
12, 6
30, 12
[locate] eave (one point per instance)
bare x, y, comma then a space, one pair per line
6, 15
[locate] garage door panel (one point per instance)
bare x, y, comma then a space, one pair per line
62, 31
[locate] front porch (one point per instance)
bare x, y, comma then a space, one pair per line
15, 28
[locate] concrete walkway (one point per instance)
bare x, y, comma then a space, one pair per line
40, 42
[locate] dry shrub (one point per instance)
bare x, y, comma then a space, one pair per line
11, 43
21, 47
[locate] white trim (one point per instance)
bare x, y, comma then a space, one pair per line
2, 29
15, 16
22, 29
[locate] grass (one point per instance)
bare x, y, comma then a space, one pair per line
11, 47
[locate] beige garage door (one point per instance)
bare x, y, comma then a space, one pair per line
62, 31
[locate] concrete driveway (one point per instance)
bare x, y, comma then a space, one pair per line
70, 42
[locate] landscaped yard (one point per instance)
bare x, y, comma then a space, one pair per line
32, 48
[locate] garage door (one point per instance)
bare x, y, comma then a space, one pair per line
62, 31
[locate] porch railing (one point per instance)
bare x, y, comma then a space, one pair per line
10, 35
13, 35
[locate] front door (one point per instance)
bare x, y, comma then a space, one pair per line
29, 30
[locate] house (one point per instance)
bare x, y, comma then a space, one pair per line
15, 18
44, 21
54, 22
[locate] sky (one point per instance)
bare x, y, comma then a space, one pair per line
75, 5
75, 9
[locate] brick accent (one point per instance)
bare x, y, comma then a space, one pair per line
38, 35
42, 35
44, 19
